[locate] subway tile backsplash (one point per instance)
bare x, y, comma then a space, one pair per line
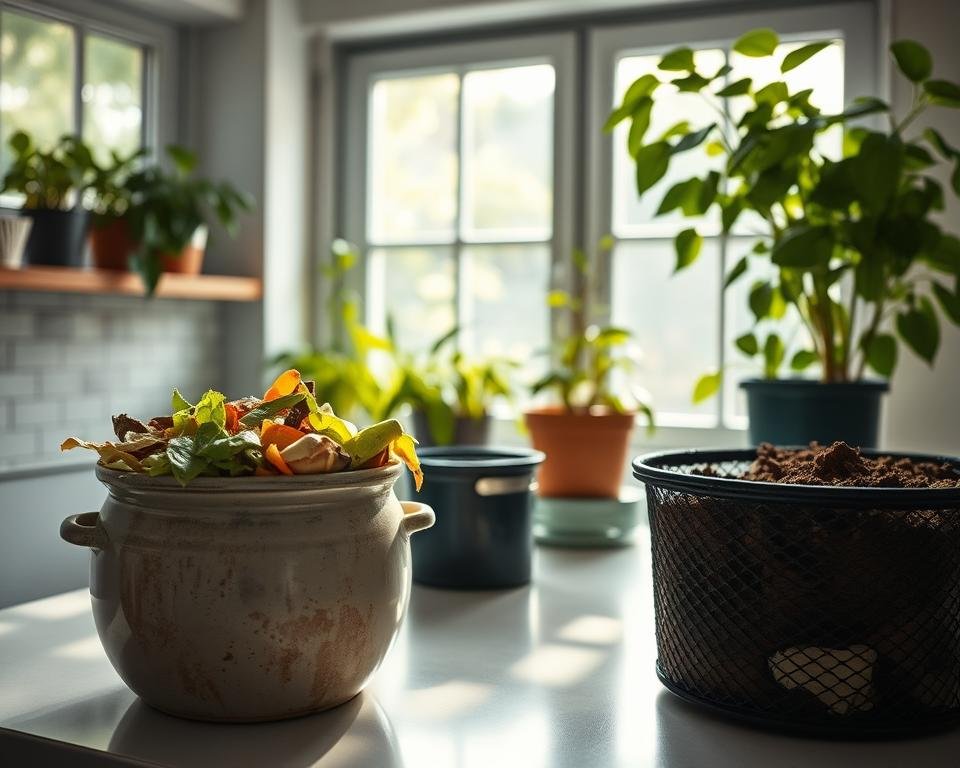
68, 362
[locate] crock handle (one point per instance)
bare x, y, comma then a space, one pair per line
417, 516
83, 530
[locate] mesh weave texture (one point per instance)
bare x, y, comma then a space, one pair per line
805, 615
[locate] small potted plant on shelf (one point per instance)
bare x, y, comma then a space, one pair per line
855, 258
585, 432
170, 213
111, 244
51, 183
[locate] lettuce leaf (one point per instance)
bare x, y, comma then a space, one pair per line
178, 402
270, 409
184, 463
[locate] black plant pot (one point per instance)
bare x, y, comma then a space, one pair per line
57, 238
483, 536
798, 411
466, 431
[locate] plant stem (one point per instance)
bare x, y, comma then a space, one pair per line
868, 337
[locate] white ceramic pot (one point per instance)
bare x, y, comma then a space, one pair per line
14, 231
245, 599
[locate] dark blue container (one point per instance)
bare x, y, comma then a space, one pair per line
483, 536
798, 411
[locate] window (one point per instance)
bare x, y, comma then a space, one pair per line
464, 190
457, 212
59, 76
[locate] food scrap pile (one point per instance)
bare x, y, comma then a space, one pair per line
841, 465
286, 432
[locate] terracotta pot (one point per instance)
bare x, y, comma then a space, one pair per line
190, 260
586, 452
246, 599
110, 243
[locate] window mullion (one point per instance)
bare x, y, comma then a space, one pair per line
461, 311
79, 65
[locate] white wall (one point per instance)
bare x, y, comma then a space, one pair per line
923, 412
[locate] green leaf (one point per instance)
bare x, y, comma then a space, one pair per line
270, 409
796, 57
440, 343
730, 212
641, 88
210, 408
184, 464
652, 161
913, 60
772, 93
611, 337
946, 256
687, 244
803, 359
760, 299
178, 402
692, 140
706, 387
557, 299
949, 302
681, 128
943, 92
737, 272
803, 247
692, 83
748, 344
881, 353
679, 194
879, 166
919, 328
679, 59
870, 277
184, 160
639, 125
946, 150
736, 88
757, 43
224, 448
863, 105
773, 354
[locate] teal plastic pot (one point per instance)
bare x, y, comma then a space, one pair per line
483, 536
799, 411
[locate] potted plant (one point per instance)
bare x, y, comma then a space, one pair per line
111, 244
450, 393
586, 431
170, 212
51, 183
858, 260
341, 371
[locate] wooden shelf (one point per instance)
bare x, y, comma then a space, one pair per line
172, 286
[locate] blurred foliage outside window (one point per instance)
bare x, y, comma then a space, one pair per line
39, 85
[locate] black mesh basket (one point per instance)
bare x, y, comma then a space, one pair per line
825, 610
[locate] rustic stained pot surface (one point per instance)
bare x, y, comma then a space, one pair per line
245, 599
799, 605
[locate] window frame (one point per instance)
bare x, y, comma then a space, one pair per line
585, 68
157, 41
557, 49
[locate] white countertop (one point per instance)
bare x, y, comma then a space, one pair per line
557, 674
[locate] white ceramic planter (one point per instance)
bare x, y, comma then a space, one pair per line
244, 599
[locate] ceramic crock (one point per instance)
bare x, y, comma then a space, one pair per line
246, 599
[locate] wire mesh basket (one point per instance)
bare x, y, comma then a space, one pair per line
833, 610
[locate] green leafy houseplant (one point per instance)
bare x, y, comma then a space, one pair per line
588, 357
445, 385
51, 183
341, 372
852, 243
51, 179
167, 208
109, 196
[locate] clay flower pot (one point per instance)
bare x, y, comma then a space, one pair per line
110, 243
190, 260
246, 599
586, 452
